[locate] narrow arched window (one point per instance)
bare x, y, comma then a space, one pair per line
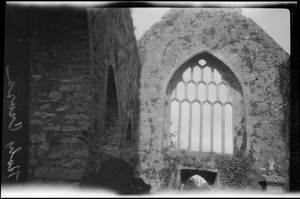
111, 121
129, 138
201, 109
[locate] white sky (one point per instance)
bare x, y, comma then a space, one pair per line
276, 22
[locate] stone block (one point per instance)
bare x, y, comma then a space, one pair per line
43, 115
83, 128
65, 80
37, 77
42, 94
80, 116
57, 152
55, 95
70, 122
58, 173
63, 108
66, 88
87, 98
45, 106
79, 152
37, 122
71, 140
38, 137
84, 123
69, 128
52, 128
43, 149
75, 163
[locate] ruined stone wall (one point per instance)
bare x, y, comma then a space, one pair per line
253, 56
113, 45
71, 52
60, 96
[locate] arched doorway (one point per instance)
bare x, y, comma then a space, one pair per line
197, 180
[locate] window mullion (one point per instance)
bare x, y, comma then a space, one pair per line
212, 117
201, 127
179, 126
223, 128
212, 127
218, 92
185, 90
190, 127
228, 94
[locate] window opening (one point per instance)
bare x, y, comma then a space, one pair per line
111, 138
201, 111
129, 133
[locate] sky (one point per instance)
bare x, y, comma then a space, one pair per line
276, 22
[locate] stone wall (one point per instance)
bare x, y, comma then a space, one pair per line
113, 47
71, 52
252, 55
60, 111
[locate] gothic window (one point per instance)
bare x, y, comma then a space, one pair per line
201, 110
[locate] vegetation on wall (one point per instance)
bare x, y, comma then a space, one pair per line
168, 171
283, 81
173, 158
235, 171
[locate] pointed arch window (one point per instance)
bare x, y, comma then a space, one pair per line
201, 117
111, 135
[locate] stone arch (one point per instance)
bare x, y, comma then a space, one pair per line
112, 136
225, 71
239, 111
209, 176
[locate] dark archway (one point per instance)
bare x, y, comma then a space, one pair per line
209, 176
129, 131
111, 138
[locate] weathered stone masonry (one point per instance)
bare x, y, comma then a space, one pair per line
71, 53
113, 46
60, 95
91, 99
253, 57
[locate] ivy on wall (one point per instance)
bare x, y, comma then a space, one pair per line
170, 168
235, 171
